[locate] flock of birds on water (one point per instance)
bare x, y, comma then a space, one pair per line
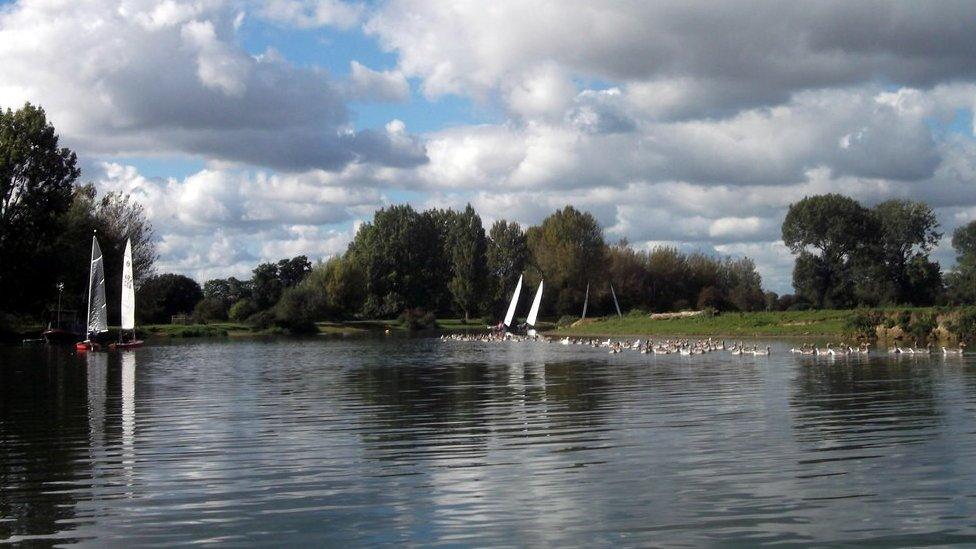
702, 346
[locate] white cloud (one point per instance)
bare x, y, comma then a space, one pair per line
151, 77
367, 84
311, 13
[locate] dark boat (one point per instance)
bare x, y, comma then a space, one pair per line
63, 329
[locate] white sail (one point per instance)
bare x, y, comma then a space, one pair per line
128, 291
97, 314
534, 311
511, 307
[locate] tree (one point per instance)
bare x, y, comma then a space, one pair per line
836, 231
36, 178
265, 285
962, 281
163, 296
568, 251
744, 285
292, 271
630, 276
908, 234
506, 256
401, 257
466, 249
668, 270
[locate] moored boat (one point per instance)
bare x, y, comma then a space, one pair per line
128, 304
97, 313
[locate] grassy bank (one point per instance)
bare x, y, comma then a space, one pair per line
761, 324
911, 324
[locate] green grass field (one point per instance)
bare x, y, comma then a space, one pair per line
790, 323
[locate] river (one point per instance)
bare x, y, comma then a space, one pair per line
418, 441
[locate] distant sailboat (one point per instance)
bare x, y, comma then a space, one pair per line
510, 315
534, 311
128, 303
97, 313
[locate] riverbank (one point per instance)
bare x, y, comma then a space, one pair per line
912, 324
760, 324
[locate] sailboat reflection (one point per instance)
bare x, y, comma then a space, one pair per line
128, 414
97, 364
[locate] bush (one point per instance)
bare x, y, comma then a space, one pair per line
862, 323
210, 309
262, 320
920, 326
418, 319
242, 310
963, 326
566, 320
298, 309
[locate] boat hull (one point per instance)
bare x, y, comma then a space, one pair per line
85, 346
57, 336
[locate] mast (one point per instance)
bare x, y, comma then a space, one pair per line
615, 304
91, 275
586, 300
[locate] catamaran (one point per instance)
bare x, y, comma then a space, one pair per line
97, 314
128, 304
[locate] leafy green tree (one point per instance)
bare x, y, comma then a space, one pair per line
242, 310
568, 251
630, 276
506, 256
909, 232
744, 284
210, 309
961, 281
467, 246
401, 257
163, 296
668, 272
292, 271
265, 285
834, 232
36, 178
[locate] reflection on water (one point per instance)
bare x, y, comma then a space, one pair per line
422, 441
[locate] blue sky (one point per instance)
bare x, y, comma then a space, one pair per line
674, 123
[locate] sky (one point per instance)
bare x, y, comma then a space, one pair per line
256, 130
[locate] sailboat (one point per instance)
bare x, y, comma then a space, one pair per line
128, 303
97, 314
534, 311
510, 315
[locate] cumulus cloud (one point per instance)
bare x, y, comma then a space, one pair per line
137, 77
367, 84
699, 58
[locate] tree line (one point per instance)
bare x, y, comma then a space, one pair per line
443, 262
848, 255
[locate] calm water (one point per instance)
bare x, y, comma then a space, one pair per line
424, 442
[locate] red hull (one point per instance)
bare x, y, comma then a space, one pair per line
85, 346
126, 345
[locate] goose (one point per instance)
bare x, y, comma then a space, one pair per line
760, 351
954, 352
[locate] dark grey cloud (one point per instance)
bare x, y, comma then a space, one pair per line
178, 81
